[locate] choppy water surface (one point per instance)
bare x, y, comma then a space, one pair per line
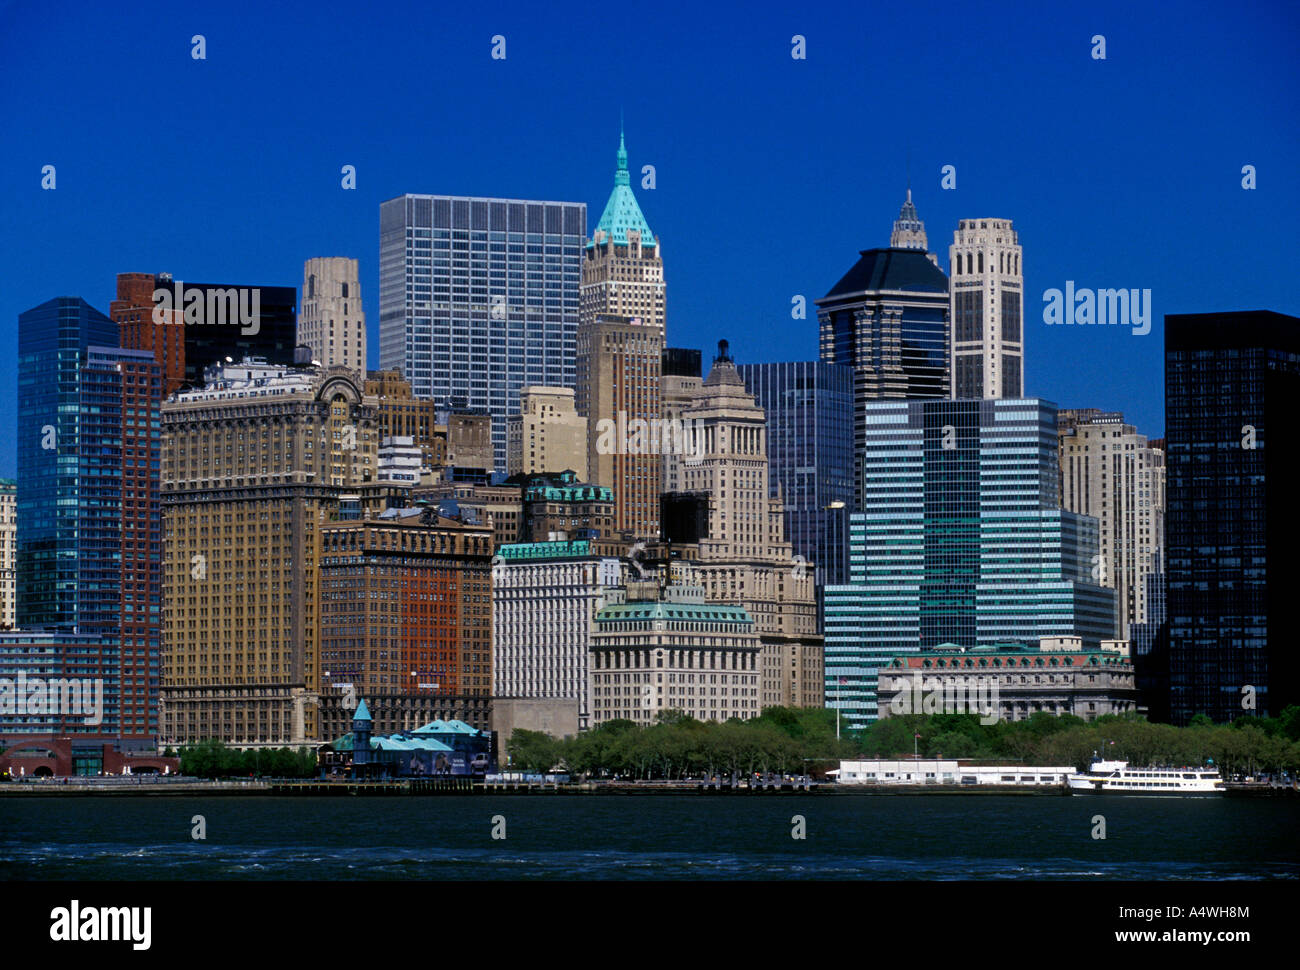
935, 837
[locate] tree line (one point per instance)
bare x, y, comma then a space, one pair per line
215, 759
798, 740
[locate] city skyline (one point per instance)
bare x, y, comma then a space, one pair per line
1098, 204
607, 433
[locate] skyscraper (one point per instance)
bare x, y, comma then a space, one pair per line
746, 558
191, 326
1232, 393
254, 464
680, 378
809, 408
988, 349
1111, 472
87, 502
479, 298
623, 269
331, 321
960, 540
620, 349
618, 393
887, 318
53, 344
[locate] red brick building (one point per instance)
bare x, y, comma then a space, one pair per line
133, 310
57, 757
405, 620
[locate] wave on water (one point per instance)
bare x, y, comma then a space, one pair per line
215, 861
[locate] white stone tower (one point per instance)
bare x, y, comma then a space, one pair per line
986, 291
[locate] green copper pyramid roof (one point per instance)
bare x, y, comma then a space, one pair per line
621, 211
362, 712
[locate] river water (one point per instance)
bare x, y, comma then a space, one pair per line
673, 837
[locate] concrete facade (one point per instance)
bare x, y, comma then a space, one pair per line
330, 319
547, 435
1110, 472
667, 648
746, 559
545, 596
556, 716
1057, 677
987, 312
679, 381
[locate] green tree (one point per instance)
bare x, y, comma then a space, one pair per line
952, 744
671, 715
1074, 746
532, 750
1289, 719
892, 736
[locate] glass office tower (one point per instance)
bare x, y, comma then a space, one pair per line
53, 340
479, 298
887, 318
89, 532
960, 540
809, 406
1232, 396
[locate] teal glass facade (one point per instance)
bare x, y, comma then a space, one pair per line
960, 540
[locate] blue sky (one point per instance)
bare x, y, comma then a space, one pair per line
771, 172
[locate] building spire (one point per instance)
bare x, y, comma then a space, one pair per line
622, 214
909, 230
620, 176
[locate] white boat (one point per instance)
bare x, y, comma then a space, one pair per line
1119, 778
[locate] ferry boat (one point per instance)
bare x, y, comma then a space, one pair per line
1118, 777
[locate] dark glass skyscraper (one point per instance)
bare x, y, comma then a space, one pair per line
1232, 402
809, 406
89, 541
887, 318
200, 324
53, 341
